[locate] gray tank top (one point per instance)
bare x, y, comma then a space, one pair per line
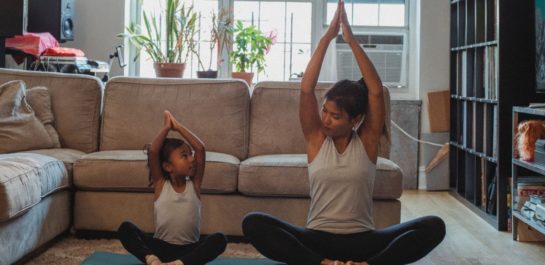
178, 215
341, 189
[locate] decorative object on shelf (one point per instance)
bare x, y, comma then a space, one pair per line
525, 139
169, 37
251, 46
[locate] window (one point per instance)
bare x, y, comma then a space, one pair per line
381, 28
291, 22
204, 8
377, 13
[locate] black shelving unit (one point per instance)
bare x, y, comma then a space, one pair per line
491, 70
524, 168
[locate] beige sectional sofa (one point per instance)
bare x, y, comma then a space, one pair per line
35, 185
255, 156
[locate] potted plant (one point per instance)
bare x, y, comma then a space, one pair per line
168, 39
251, 46
222, 24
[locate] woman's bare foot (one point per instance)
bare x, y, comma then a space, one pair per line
356, 263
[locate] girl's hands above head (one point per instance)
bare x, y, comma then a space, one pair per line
167, 120
335, 24
175, 122
348, 36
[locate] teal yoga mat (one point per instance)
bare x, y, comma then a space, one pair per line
107, 258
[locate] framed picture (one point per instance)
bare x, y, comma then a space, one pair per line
540, 45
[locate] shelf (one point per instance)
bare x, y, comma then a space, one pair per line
486, 80
530, 166
475, 99
473, 152
491, 219
531, 111
474, 46
538, 226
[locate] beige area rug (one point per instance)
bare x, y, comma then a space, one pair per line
72, 251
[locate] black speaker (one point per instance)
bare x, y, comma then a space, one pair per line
53, 16
13, 17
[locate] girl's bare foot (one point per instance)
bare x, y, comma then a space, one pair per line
153, 260
331, 262
356, 263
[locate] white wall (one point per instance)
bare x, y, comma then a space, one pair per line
96, 25
434, 50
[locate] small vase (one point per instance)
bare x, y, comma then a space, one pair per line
207, 74
169, 69
246, 76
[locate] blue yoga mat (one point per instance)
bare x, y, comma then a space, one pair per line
107, 258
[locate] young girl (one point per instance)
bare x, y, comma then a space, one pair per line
177, 177
342, 166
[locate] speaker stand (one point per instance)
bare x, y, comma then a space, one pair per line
2, 52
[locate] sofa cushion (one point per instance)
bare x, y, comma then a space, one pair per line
215, 110
20, 128
39, 99
281, 133
25, 179
274, 175
67, 156
75, 102
126, 170
287, 175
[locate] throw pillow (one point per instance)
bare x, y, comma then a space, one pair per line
20, 129
40, 101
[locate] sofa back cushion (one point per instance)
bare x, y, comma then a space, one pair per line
215, 110
274, 119
75, 102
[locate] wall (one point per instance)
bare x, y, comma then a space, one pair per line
96, 25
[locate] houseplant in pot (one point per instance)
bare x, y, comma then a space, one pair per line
250, 47
168, 37
222, 25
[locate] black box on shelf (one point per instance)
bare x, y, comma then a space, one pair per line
539, 155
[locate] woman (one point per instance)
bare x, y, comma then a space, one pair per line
342, 166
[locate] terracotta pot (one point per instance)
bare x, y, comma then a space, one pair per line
169, 69
207, 74
246, 76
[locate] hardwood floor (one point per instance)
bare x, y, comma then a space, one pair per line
469, 239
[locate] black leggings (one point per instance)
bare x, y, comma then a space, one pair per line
141, 244
397, 244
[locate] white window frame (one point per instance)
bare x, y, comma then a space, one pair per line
385, 30
318, 26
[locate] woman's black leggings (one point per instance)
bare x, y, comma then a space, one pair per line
141, 244
397, 244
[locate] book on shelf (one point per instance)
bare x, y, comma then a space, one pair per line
491, 204
485, 129
495, 132
479, 73
459, 73
464, 73
483, 183
490, 83
525, 189
470, 64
